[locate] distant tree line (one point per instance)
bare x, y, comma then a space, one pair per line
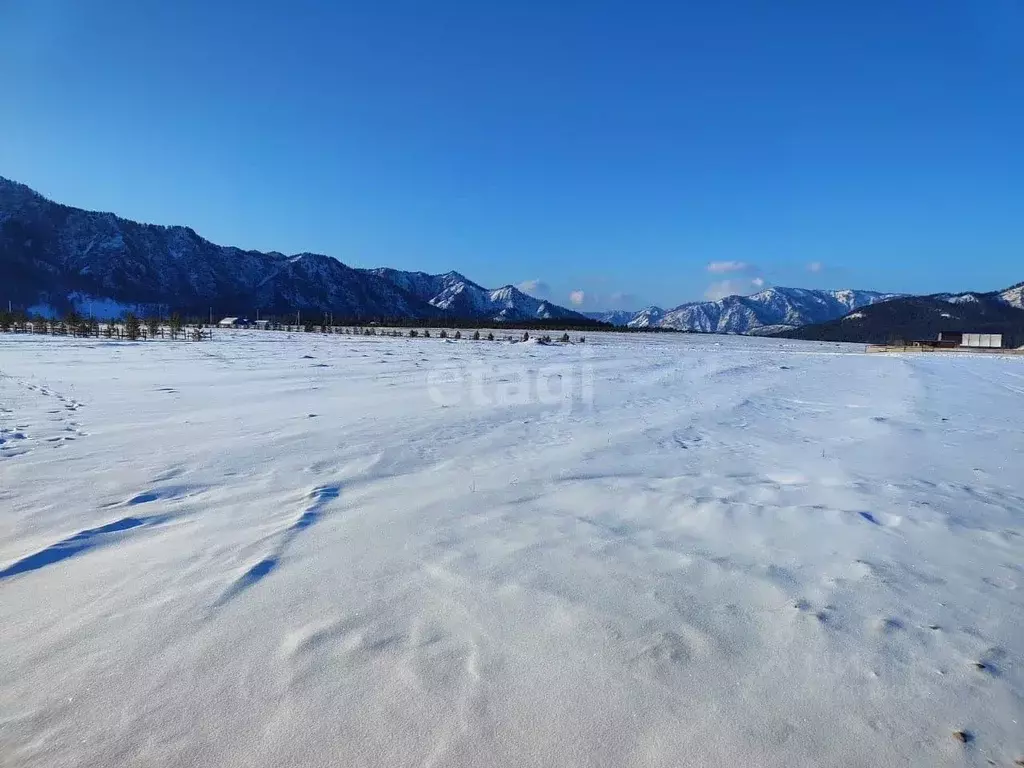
74, 324
185, 324
329, 320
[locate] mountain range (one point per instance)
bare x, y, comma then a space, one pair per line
457, 296
766, 312
911, 318
55, 257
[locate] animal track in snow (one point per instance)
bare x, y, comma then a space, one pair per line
53, 428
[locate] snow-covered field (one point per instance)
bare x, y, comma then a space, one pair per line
299, 550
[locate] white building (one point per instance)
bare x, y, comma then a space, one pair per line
985, 340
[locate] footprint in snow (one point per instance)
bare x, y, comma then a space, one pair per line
889, 625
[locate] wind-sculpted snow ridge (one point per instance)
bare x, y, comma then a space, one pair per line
282, 549
320, 496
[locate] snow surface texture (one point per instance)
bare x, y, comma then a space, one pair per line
297, 550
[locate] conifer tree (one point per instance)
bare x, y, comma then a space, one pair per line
132, 329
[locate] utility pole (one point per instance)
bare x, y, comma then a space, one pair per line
211, 316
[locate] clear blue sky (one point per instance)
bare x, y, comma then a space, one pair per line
613, 148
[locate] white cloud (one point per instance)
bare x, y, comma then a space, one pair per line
535, 287
815, 266
725, 267
720, 290
742, 287
586, 299
746, 278
622, 300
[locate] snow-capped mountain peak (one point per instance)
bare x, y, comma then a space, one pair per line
648, 317
1014, 295
456, 295
769, 310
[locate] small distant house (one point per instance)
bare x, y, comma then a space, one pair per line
983, 340
971, 340
261, 324
230, 322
